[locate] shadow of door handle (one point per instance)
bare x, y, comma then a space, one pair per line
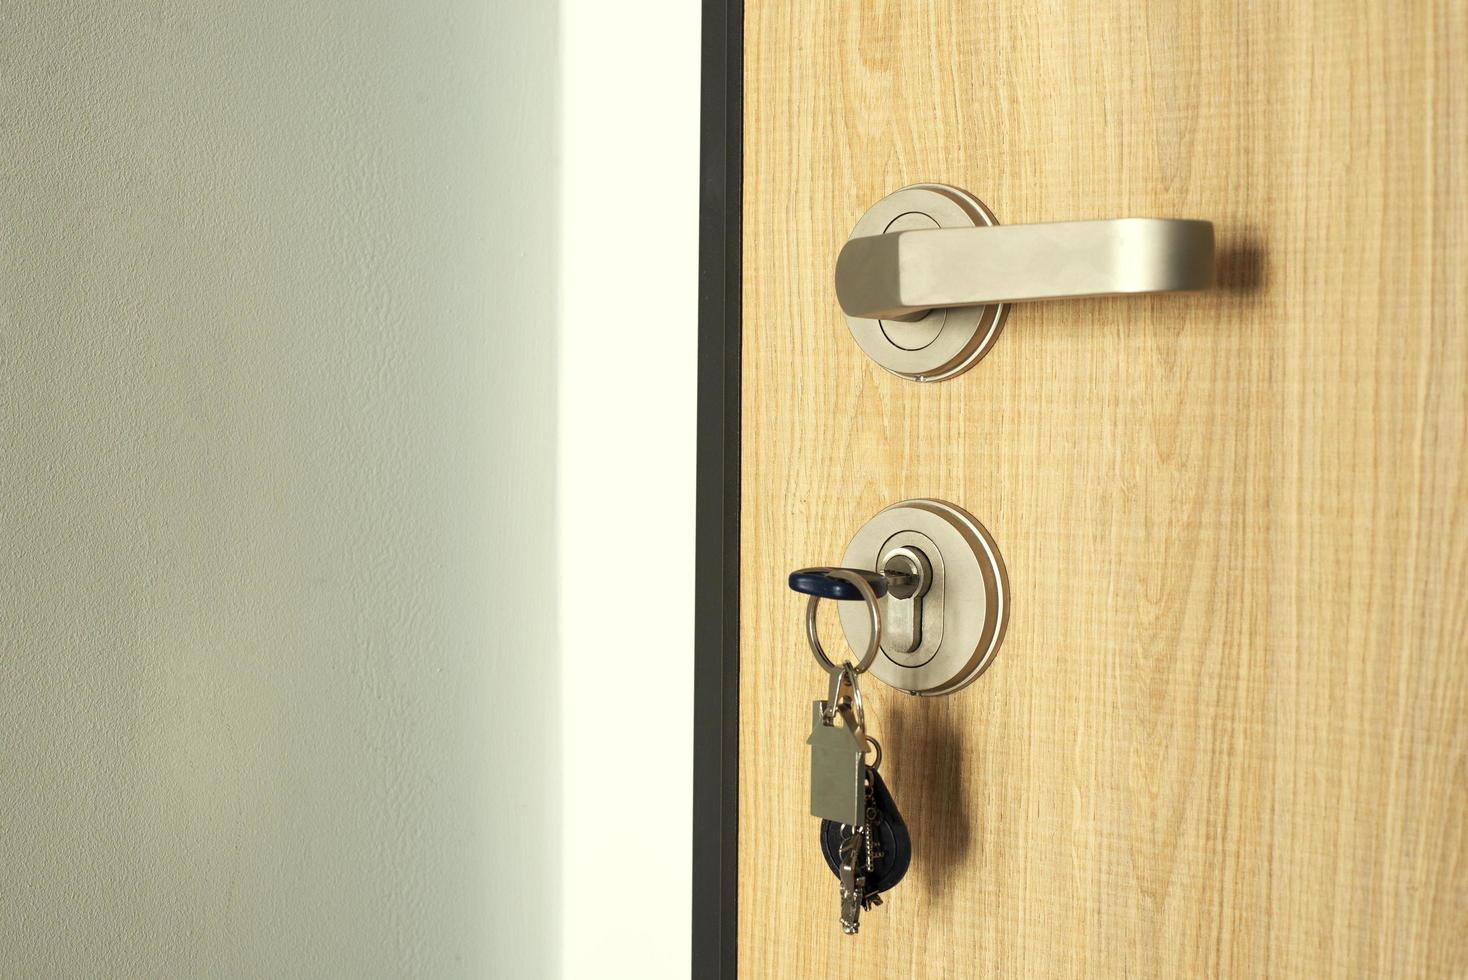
905, 274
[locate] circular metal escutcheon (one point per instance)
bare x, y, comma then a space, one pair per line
963, 628
944, 343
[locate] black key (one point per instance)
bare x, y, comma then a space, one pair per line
889, 836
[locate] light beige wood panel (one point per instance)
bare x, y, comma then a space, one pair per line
1226, 734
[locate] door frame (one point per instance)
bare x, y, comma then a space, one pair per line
716, 557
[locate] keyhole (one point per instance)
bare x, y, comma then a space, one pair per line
908, 576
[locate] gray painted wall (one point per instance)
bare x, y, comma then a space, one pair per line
278, 467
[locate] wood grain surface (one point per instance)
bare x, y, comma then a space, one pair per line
1228, 731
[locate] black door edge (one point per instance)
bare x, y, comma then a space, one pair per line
716, 561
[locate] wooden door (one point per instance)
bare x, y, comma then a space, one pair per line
1227, 733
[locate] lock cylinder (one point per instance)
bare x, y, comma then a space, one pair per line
945, 596
909, 575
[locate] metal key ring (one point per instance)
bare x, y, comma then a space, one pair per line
874, 611
877, 748
845, 677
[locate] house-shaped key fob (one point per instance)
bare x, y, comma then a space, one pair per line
837, 770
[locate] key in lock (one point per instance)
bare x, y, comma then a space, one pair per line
902, 581
903, 584
942, 590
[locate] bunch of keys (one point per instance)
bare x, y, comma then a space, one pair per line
863, 839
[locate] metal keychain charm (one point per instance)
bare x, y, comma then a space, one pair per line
838, 724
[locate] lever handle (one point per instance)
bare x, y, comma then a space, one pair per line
903, 275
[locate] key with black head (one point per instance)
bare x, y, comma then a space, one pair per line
887, 853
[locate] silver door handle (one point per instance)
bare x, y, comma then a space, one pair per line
903, 275
928, 273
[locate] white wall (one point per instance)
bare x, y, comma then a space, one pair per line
629, 302
298, 317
